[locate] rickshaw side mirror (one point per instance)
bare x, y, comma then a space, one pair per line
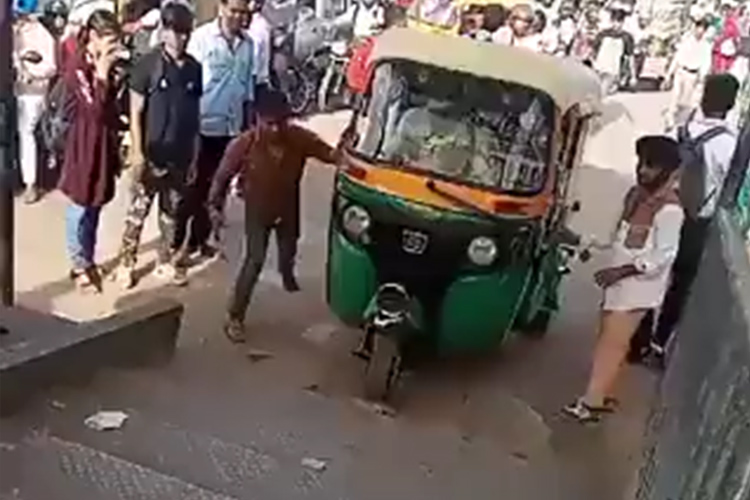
575, 206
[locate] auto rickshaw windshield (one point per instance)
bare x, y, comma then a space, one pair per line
458, 127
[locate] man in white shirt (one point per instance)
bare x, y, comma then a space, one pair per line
259, 31
718, 99
34, 64
226, 54
568, 29
366, 17
689, 67
520, 29
643, 247
439, 14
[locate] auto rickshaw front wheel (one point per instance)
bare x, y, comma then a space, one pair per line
383, 368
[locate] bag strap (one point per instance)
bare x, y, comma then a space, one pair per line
683, 136
710, 134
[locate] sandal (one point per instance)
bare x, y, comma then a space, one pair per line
609, 405
235, 331
582, 412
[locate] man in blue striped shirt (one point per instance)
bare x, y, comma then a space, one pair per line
226, 54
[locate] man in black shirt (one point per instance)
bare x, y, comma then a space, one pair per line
165, 91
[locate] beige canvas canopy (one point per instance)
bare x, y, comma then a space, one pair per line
566, 81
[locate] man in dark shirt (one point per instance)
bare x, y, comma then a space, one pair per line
272, 156
165, 91
613, 51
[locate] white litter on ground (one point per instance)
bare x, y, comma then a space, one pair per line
320, 333
314, 464
106, 420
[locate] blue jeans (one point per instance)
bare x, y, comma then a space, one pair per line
81, 224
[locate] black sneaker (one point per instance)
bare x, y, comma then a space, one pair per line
289, 282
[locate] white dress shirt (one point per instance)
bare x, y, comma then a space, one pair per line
30, 36
365, 20
693, 54
505, 36
260, 32
228, 79
568, 31
717, 153
654, 261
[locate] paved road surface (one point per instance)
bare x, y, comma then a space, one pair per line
215, 425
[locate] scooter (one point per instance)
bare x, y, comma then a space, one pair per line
297, 78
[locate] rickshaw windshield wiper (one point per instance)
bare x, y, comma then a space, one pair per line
432, 186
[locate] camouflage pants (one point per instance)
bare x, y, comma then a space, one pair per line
169, 186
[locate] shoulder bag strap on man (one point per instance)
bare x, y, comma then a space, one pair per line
156, 76
699, 142
710, 134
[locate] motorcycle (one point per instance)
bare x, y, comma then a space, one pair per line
297, 77
333, 92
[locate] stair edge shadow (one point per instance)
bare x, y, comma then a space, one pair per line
145, 335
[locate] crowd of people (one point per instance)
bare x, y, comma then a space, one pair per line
612, 37
192, 96
200, 104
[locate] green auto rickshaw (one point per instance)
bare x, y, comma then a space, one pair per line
448, 222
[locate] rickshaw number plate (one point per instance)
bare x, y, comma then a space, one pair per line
414, 242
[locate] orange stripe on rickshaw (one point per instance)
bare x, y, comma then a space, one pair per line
413, 187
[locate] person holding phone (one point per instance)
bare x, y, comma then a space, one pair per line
34, 61
91, 159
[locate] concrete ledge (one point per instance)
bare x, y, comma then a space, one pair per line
42, 350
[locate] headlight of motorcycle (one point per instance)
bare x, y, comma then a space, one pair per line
356, 221
482, 251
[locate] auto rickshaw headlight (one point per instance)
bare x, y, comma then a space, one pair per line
482, 251
356, 221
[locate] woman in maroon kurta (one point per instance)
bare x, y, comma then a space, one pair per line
91, 157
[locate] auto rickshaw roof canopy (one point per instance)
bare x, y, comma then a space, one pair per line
566, 81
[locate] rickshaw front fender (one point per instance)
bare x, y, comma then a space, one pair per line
352, 280
478, 311
542, 293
